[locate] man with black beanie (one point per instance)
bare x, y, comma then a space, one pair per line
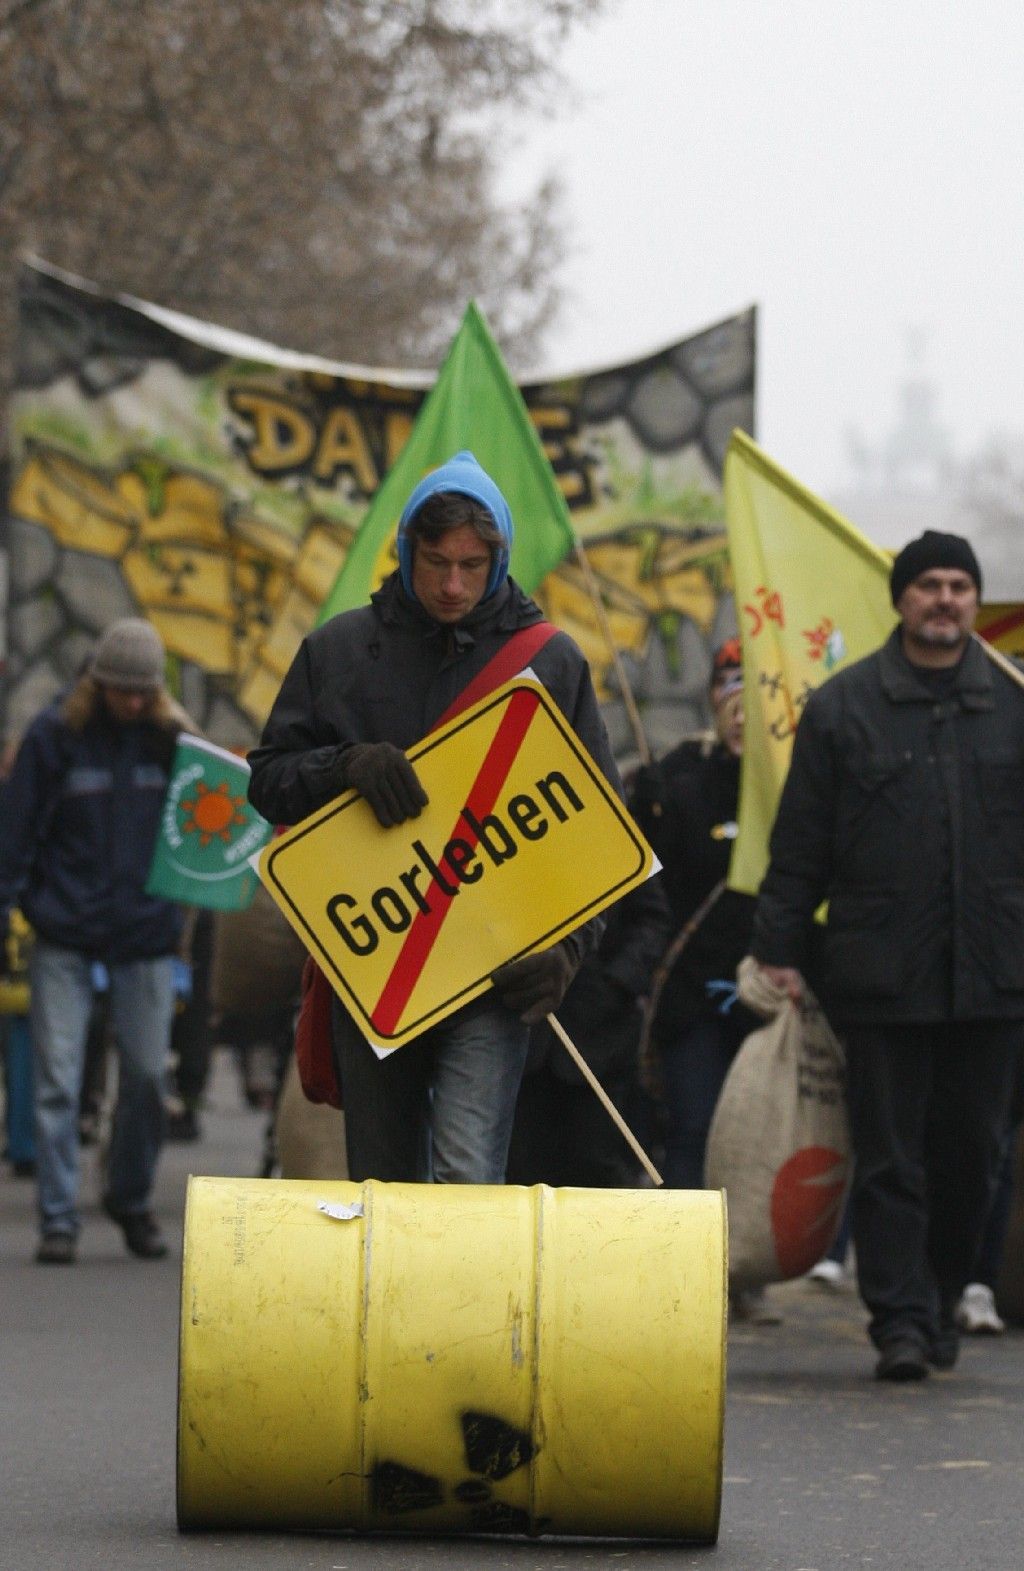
903, 810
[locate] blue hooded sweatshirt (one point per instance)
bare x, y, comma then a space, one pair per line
462, 474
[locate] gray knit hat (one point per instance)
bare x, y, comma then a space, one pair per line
129, 655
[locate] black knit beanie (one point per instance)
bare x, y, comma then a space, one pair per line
932, 549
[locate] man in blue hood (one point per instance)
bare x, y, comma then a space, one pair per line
361, 691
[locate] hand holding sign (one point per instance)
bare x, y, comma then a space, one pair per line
535, 986
381, 773
521, 841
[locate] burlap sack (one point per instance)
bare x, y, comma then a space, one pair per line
310, 1139
779, 1143
257, 960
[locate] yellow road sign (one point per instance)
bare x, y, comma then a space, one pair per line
523, 839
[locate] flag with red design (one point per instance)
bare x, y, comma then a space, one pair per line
208, 830
812, 595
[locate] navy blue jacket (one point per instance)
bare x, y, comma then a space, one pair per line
79, 817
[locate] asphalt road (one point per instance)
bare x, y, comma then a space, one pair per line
825, 1468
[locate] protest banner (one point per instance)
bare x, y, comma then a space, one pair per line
166, 467
208, 830
523, 839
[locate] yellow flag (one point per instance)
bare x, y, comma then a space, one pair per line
812, 595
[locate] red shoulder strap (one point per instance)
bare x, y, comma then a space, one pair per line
510, 659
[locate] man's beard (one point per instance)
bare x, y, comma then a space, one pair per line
944, 635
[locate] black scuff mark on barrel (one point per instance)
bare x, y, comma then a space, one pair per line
497, 1517
472, 1491
494, 1448
396, 1489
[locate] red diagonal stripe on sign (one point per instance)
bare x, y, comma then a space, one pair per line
423, 934
1001, 625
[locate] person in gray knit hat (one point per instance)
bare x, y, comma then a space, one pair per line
903, 809
78, 821
129, 656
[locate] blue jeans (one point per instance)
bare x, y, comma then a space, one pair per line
440, 1107
141, 1006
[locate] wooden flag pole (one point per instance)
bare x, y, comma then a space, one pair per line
594, 589
665, 964
606, 1101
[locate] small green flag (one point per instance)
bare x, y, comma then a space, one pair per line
208, 830
473, 404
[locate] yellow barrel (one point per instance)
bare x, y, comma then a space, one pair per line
452, 1358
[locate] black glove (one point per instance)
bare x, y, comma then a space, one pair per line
381, 773
535, 986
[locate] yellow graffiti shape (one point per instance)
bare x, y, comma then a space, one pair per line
262, 538
175, 576
209, 642
80, 508
192, 511
320, 559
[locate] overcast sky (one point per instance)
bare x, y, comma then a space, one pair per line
855, 169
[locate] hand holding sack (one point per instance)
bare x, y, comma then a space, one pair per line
779, 1143
381, 773
535, 986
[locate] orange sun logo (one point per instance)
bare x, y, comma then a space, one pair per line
213, 812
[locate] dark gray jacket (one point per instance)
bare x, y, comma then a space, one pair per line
387, 672
905, 812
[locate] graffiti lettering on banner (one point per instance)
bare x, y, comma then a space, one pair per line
523, 839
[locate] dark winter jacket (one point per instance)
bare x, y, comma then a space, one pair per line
387, 672
79, 818
694, 840
904, 809
601, 1010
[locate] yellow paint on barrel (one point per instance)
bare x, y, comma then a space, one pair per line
452, 1358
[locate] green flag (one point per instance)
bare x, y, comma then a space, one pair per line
473, 404
208, 831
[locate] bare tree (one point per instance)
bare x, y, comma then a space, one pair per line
319, 173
